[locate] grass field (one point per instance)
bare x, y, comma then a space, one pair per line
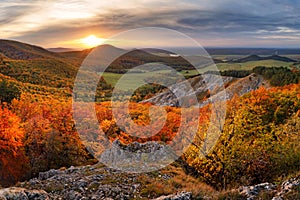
252, 64
135, 79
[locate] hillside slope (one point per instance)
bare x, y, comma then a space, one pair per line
20, 51
202, 90
39, 71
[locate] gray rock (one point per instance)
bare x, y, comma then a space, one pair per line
72, 195
180, 196
252, 191
286, 187
209, 84
134, 157
15, 193
48, 174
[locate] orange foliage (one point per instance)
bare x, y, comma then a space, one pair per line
13, 162
139, 114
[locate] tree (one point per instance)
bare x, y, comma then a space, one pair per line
8, 92
13, 162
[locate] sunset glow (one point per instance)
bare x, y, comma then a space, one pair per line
92, 41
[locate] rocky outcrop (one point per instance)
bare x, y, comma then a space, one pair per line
207, 88
88, 182
99, 182
16, 193
286, 187
200, 86
277, 192
138, 157
251, 192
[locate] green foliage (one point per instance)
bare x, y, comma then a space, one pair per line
146, 91
8, 92
278, 76
233, 73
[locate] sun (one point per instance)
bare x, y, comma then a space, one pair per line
92, 41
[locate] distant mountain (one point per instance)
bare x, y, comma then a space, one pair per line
258, 58
75, 57
252, 51
280, 58
61, 49
102, 55
103, 52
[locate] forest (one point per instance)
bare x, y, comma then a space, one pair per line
259, 141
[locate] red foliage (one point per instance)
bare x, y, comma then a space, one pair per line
13, 162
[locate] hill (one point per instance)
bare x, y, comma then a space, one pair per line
60, 49
75, 57
135, 57
259, 58
39, 71
20, 51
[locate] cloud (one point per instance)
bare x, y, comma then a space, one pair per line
55, 21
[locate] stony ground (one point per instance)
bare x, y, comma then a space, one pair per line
99, 182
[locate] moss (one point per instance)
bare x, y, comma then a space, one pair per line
53, 188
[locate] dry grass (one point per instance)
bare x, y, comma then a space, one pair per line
177, 180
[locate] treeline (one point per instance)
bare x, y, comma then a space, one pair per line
277, 76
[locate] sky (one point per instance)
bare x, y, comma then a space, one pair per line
212, 23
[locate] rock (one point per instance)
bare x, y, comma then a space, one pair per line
141, 157
87, 182
252, 191
209, 84
100, 182
72, 195
15, 193
180, 196
286, 187
48, 174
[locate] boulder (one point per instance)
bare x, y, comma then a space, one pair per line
179, 196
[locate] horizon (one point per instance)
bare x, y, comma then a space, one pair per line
173, 47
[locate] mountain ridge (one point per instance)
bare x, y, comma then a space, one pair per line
259, 58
